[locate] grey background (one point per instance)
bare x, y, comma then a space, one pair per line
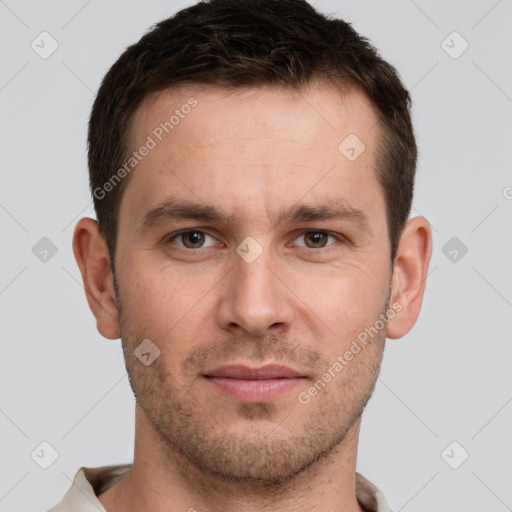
448, 380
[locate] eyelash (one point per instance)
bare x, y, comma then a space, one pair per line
174, 236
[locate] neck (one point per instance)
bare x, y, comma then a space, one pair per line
162, 480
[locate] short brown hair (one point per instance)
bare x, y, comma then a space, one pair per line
245, 43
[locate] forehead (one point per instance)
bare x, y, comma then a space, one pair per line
320, 111
239, 145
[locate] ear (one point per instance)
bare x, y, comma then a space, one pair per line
92, 256
409, 276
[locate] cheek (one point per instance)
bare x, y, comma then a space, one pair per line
149, 296
164, 303
342, 303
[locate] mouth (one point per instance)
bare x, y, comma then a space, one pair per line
254, 385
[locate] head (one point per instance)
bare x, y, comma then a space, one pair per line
252, 166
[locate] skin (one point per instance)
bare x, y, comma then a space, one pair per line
301, 302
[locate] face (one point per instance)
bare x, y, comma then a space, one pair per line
253, 253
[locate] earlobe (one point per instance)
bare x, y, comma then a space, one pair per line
91, 254
409, 275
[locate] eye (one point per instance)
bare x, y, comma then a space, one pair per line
315, 239
191, 239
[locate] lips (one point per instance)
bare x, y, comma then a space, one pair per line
254, 385
270, 371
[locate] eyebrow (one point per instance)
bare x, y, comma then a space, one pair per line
174, 209
337, 211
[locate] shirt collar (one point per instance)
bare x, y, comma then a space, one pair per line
91, 482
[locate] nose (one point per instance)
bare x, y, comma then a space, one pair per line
255, 298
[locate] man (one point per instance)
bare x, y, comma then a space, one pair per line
252, 166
